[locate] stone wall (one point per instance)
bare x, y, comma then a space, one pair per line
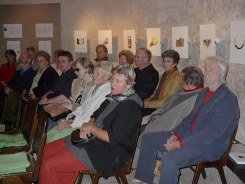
118, 15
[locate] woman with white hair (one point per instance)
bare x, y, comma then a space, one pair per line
96, 95
114, 127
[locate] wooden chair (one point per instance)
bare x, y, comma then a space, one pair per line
218, 164
120, 174
34, 155
27, 129
12, 109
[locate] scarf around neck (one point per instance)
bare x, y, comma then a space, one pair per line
118, 98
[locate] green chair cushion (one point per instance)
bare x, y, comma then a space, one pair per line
13, 163
12, 140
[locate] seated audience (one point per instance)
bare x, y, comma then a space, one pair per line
80, 86
23, 77
45, 78
6, 73
174, 108
114, 127
169, 83
146, 75
63, 86
94, 98
55, 63
203, 135
126, 57
101, 53
31, 51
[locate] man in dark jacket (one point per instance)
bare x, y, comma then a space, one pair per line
22, 78
146, 75
63, 86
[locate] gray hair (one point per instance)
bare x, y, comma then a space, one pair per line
192, 75
106, 66
127, 71
221, 63
85, 63
146, 51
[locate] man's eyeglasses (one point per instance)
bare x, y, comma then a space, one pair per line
76, 69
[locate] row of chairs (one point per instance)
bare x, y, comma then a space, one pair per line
199, 168
33, 129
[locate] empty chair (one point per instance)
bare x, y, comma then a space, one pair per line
34, 155
27, 129
11, 112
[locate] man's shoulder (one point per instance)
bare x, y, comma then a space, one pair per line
226, 91
150, 69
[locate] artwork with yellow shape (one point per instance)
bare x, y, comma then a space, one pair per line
154, 41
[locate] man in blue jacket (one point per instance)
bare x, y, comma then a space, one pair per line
203, 135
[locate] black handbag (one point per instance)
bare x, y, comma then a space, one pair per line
75, 137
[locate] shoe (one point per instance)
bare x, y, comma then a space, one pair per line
134, 180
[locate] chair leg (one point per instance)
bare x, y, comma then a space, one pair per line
80, 178
122, 176
96, 178
222, 174
204, 174
197, 174
118, 179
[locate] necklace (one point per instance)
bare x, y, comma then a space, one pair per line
235, 42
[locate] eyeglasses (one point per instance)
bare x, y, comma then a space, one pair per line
167, 61
76, 69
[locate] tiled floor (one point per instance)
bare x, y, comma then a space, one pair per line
186, 178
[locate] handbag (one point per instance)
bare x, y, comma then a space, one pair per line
56, 111
75, 137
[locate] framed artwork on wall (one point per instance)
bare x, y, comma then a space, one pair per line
45, 46
14, 45
12, 30
129, 40
207, 40
45, 30
105, 37
180, 40
80, 41
237, 43
154, 41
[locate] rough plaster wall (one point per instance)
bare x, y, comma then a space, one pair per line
118, 15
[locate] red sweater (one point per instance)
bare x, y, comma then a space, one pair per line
6, 73
208, 95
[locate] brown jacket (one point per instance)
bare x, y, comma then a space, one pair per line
172, 85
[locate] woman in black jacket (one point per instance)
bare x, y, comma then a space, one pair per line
112, 130
45, 77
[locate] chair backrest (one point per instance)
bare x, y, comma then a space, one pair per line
39, 142
11, 112
28, 118
225, 156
